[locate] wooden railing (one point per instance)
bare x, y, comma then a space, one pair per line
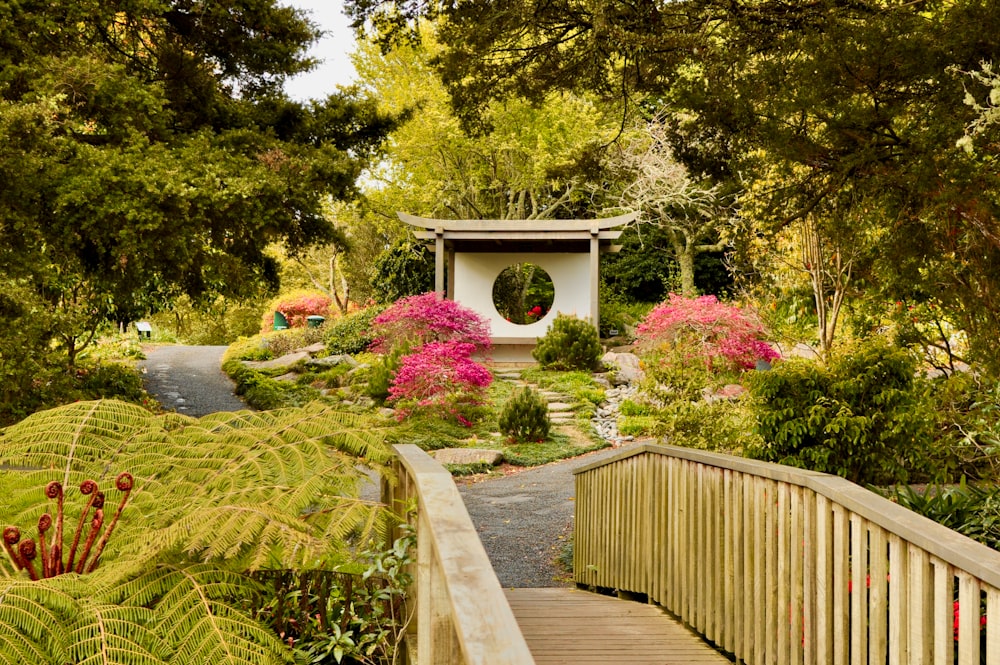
778, 565
458, 610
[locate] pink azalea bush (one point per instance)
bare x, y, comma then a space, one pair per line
437, 338
440, 376
704, 329
428, 317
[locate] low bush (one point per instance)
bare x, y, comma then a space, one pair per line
569, 344
862, 416
417, 320
525, 417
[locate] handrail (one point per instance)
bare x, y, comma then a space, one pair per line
781, 565
461, 614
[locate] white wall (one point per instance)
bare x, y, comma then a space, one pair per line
475, 274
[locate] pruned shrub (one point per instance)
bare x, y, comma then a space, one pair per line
525, 417
352, 333
569, 344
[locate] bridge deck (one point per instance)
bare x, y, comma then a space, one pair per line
581, 628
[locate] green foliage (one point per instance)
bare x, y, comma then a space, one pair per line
172, 166
382, 372
112, 380
569, 344
351, 333
327, 616
215, 323
405, 269
525, 417
970, 509
214, 498
862, 416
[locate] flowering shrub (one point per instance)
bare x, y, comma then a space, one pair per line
417, 320
440, 376
706, 329
296, 306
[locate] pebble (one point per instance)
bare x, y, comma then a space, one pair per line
605, 420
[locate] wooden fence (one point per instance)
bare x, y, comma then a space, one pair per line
460, 613
777, 565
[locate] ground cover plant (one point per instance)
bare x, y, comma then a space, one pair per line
210, 500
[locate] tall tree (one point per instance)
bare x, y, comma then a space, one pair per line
147, 151
692, 215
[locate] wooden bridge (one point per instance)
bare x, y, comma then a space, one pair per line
763, 563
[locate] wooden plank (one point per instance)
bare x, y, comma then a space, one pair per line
944, 599
992, 616
899, 601
784, 579
859, 590
919, 621
968, 619
878, 598
573, 627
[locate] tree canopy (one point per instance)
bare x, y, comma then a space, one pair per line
147, 151
852, 115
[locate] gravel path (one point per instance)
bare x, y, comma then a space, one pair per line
189, 379
525, 519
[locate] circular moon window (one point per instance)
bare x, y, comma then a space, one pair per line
523, 293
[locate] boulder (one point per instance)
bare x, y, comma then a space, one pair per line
286, 361
626, 366
468, 456
333, 361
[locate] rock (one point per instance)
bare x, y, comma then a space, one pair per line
468, 456
557, 407
290, 377
286, 361
332, 361
318, 347
626, 368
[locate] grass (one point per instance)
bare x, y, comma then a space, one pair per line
558, 446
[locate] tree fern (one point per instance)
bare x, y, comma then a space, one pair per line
212, 499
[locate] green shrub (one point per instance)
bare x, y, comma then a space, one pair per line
525, 417
570, 343
382, 371
351, 334
862, 416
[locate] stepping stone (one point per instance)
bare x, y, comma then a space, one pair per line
557, 407
510, 376
550, 397
468, 456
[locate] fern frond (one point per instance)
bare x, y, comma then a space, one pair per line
33, 620
196, 612
117, 635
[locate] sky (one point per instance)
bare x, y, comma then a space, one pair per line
333, 49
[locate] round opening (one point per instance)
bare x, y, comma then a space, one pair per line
523, 293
